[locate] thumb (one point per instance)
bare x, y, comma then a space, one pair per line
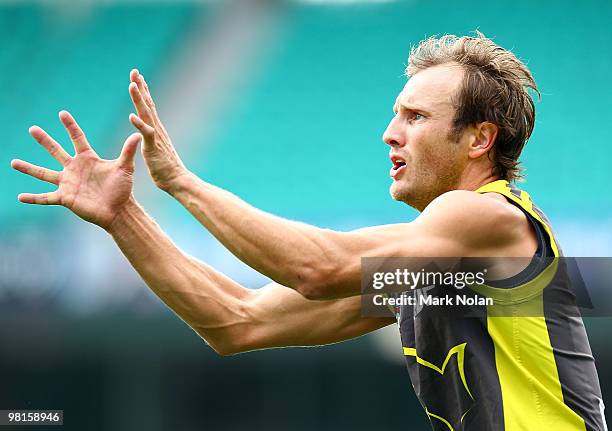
128, 152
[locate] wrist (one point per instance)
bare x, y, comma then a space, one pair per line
127, 211
179, 183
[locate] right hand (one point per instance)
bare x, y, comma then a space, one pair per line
95, 189
163, 162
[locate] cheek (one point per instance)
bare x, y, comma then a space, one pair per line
433, 153
426, 149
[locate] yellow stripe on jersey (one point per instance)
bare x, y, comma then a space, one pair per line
441, 419
459, 350
528, 377
530, 387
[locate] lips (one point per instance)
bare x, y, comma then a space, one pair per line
399, 165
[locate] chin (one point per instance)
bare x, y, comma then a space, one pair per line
402, 193
398, 192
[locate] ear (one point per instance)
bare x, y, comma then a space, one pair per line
484, 138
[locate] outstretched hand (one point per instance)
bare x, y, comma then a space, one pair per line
162, 160
93, 188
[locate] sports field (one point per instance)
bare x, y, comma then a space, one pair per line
284, 104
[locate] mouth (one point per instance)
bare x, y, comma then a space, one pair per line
399, 165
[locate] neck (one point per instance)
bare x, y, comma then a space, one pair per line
475, 183
470, 181
476, 175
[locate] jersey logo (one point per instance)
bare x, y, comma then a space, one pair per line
459, 352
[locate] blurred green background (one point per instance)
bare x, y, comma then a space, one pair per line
283, 103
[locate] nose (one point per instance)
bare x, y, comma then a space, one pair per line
392, 135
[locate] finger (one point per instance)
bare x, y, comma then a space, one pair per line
139, 83
134, 75
74, 131
140, 104
146, 94
128, 152
51, 198
144, 90
35, 171
52, 147
147, 131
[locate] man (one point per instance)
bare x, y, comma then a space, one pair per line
460, 124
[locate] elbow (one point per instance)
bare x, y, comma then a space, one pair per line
329, 272
313, 291
318, 284
226, 347
228, 341
334, 273
232, 332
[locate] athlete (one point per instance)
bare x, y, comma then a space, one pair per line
459, 126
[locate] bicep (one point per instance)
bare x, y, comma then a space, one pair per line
457, 224
282, 317
340, 274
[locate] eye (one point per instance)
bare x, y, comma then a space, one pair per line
414, 116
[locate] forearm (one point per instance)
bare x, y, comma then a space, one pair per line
289, 252
211, 303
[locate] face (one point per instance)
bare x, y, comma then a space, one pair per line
427, 160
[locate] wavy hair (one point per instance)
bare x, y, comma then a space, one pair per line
495, 88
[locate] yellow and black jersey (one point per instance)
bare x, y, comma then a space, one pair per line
507, 371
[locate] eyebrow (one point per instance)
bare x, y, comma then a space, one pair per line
410, 107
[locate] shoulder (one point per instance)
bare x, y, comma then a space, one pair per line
464, 204
474, 220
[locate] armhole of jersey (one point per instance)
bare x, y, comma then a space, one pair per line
533, 279
521, 199
540, 260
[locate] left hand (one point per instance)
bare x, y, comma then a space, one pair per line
162, 160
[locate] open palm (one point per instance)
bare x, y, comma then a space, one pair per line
93, 188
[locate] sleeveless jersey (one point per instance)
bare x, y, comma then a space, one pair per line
507, 371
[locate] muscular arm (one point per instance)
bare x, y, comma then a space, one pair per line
320, 263
324, 264
228, 316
